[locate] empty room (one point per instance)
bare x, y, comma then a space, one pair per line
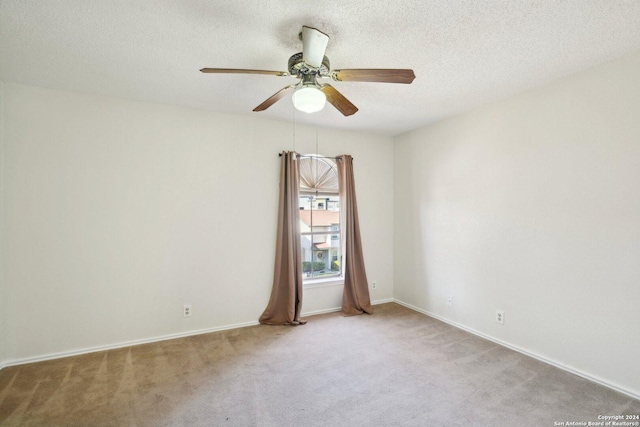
418, 213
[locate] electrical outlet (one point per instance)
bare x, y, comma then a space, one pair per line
500, 316
187, 310
449, 299
373, 285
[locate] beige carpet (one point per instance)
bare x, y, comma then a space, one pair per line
395, 368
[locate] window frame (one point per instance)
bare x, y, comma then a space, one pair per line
332, 230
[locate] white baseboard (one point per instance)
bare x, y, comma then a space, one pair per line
77, 352
334, 309
324, 311
529, 353
87, 350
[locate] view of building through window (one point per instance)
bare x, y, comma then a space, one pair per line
320, 235
319, 218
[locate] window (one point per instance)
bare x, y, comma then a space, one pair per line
319, 218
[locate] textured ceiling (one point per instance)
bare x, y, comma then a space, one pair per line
464, 53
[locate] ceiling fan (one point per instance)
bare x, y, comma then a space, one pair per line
309, 66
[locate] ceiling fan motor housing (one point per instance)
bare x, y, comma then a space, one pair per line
297, 66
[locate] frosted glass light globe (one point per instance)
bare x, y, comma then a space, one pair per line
309, 99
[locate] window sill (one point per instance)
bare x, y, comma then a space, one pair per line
320, 283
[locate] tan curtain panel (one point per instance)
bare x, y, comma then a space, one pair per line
355, 298
285, 303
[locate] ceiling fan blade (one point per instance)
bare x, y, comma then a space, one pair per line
314, 44
338, 100
374, 75
275, 98
242, 71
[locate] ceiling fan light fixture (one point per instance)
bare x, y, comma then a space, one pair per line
309, 99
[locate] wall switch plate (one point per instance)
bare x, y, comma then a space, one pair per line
186, 311
500, 316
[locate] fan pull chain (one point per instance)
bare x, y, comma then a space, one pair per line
316, 162
293, 114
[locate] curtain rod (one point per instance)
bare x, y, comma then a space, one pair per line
318, 157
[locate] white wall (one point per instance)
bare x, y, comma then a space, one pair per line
532, 205
117, 213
